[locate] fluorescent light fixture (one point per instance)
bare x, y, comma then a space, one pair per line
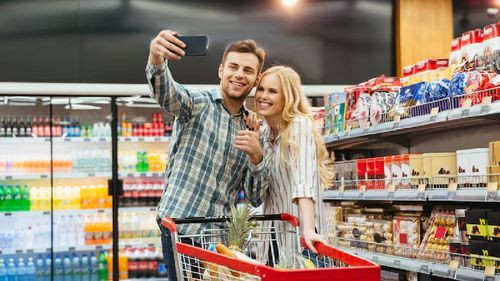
81, 107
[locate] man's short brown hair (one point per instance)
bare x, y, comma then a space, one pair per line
246, 46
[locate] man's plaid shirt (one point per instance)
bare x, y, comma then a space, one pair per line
205, 170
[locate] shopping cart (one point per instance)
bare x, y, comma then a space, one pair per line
202, 263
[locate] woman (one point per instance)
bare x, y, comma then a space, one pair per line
293, 151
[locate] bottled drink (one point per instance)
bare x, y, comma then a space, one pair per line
40, 269
122, 265
2, 198
8, 198
58, 269
162, 268
28, 127
21, 270
85, 266
15, 127
133, 266
48, 269
94, 268
2, 127
77, 268
67, 269
12, 271
30, 270
8, 127
25, 198
22, 128
3, 271
47, 127
102, 270
76, 128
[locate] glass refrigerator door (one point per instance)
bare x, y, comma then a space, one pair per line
82, 206
25, 189
144, 131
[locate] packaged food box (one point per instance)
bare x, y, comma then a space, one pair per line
441, 167
477, 224
493, 219
406, 233
435, 245
417, 170
472, 167
495, 153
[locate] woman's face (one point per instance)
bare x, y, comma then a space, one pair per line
269, 97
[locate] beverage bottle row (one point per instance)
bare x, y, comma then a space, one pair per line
145, 263
14, 198
94, 160
156, 128
142, 162
138, 225
30, 231
35, 163
141, 193
17, 271
98, 229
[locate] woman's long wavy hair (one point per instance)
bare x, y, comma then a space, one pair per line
296, 104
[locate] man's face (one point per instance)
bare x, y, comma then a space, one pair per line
238, 74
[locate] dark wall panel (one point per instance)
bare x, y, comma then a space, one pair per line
106, 41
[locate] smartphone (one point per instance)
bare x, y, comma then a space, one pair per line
196, 45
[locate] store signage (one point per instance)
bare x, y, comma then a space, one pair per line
489, 273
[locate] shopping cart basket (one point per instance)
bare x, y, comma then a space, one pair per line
201, 263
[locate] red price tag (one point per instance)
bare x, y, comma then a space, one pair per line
403, 238
440, 232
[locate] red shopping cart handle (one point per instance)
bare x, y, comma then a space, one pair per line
170, 223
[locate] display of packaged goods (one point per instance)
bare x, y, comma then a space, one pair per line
471, 45
493, 218
472, 167
381, 104
477, 224
494, 153
481, 253
406, 232
490, 46
441, 167
388, 170
346, 171
455, 54
417, 170
396, 172
361, 168
372, 235
436, 239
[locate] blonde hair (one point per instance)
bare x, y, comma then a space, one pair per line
297, 105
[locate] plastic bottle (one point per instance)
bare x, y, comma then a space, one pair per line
3, 271
58, 269
16, 203
12, 271
85, 266
102, 271
93, 268
25, 198
21, 270
67, 269
2, 198
40, 269
77, 268
48, 269
162, 267
8, 198
31, 270
122, 265
34, 199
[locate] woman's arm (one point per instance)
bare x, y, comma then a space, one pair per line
306, 208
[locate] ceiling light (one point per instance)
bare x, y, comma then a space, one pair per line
289, 3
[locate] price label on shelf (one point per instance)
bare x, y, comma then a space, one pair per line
348, 128
434, 113
424, 268
102, 139
452, 190
391, 188
71, 249
467, 103
128, 139
421, 191
397, 262
141, 139
87, 139
8, 177
154, 175
157, 139
375, 259
397, 119
366, 127
19, 251
489, 273
67, 139
91, 175
452, 269
485, 104
491, 191
44, 176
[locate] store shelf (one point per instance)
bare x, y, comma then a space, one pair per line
32, 140
140, 242
138, 209
144, 139
398, 132
427, 267
85, 248
142, 175
56, 212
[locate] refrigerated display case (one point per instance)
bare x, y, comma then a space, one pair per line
76, 189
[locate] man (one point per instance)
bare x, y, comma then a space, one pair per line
206, 167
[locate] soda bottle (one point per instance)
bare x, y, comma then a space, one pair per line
25, 198
123, 265
8, 199
2, 198
102, 270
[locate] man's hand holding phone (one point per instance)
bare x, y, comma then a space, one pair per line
166, 46
172, 46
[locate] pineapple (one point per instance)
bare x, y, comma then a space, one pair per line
239, 227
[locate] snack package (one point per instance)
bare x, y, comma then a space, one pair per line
381, 104
435, 245
406, 231
362, 112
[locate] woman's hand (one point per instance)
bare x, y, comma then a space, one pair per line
248, 142
310, 237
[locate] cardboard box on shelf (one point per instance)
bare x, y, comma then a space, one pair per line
441, 167
477, 224
472, 165
492, 170
417, 169
495, 153
493, 218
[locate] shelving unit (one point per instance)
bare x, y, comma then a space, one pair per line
32, 140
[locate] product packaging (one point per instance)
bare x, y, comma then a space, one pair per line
441, 167
406, 231
455, 53
477, 224
435, 245
495, 153
493, 219
417, 170
472, 167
